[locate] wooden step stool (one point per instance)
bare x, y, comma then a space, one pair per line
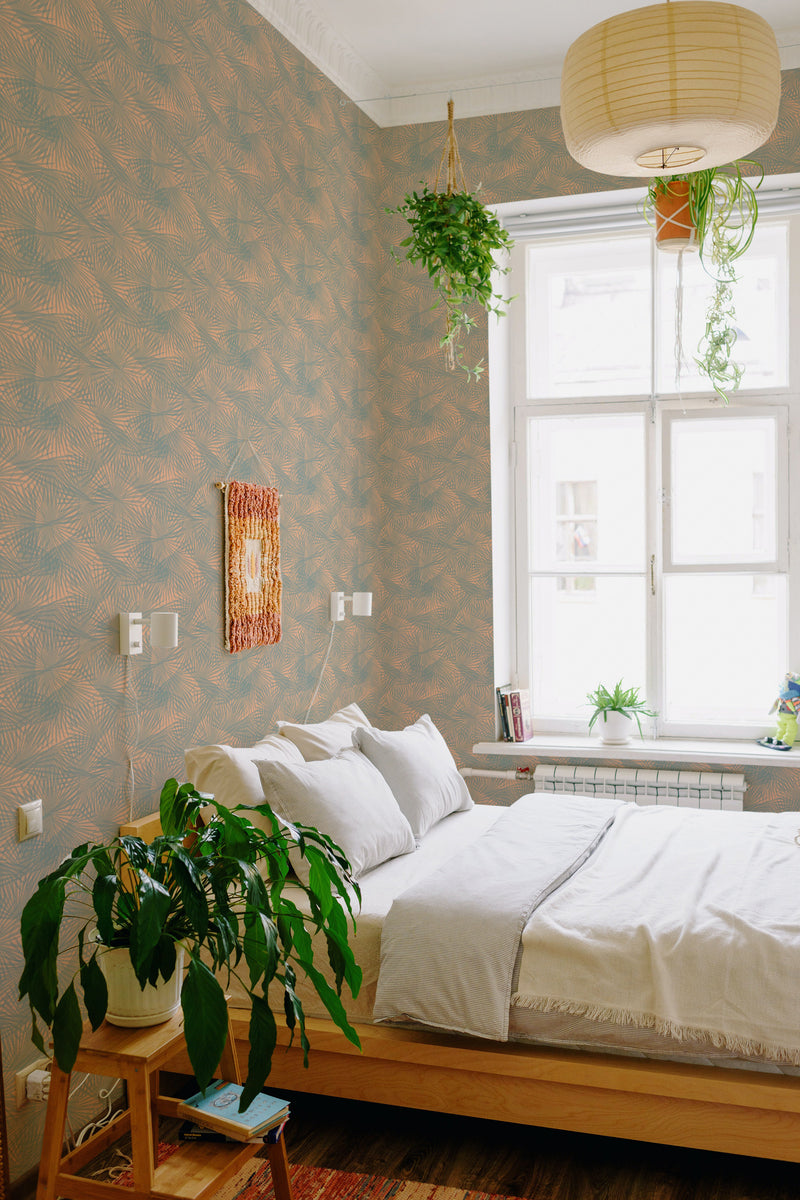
196, 1169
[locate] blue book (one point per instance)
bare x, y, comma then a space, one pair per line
219, 1109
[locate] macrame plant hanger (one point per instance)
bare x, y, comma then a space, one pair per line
454, 180
450, 161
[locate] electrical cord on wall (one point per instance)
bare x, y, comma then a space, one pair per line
130, 778
322, 672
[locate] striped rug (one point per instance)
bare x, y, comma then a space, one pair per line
318, 1183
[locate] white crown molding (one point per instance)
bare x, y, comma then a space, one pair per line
313, 37
300, 25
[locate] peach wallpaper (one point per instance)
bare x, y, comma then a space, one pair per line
194, 271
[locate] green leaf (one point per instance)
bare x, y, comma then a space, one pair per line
260, 947
103, 895
205, 1018
262, 1037
95, 991
192, 892
67, 1029
146, 930
40, 930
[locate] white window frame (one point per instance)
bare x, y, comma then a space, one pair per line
510, 406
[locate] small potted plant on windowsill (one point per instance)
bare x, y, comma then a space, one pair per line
196, 888
617, 709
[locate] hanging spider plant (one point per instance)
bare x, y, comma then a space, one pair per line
455, 237
724, 210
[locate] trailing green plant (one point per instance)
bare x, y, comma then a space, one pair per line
200, 887
455, 238
724, 209
619, 699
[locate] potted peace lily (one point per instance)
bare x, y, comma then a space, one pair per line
617, 708
455, 238
715, 210
197, 890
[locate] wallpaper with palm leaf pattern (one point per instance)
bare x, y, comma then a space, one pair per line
194, 272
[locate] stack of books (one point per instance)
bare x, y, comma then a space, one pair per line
215, 1116
515, 713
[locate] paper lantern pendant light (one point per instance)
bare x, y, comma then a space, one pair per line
672, 87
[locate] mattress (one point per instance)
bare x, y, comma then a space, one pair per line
381, 885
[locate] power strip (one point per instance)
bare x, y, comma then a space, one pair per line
37, 1085
21, 1094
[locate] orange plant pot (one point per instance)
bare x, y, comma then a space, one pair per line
675, 229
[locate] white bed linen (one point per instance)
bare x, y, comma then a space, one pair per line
378, 889
450, 944
567, 1030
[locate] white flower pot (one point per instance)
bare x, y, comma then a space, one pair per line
128, 1004
615, 728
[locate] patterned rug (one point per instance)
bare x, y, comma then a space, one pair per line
254, 1182
319, 1183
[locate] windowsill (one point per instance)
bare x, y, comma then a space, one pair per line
560, 747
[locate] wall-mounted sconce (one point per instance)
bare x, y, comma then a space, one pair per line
163, 631
361, 601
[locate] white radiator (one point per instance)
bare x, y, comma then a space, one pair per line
687, 789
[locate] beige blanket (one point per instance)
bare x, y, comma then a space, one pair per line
683, 921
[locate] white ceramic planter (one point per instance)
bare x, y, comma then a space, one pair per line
128, 1004
615, 728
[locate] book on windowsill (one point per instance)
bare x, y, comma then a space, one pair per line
505, 729
190, 1131
515, 710
219, 1109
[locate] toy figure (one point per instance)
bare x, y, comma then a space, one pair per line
788, 706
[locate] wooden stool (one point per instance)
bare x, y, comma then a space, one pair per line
193, 1172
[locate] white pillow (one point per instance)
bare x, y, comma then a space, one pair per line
346, 798
230, 773
326, 738
420, 770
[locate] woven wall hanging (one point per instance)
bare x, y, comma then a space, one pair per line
252, 566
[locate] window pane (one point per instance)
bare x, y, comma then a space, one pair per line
587, 491
726, 650
588, 317
723, 490
582, 638
761, 305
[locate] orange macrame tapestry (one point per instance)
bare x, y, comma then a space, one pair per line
252, 566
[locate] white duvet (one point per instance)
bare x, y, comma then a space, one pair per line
682, 921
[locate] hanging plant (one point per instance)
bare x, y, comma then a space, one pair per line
722, 207
455, 237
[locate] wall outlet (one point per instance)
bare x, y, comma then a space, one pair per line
21, 1077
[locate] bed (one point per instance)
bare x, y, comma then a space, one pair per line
563, 1066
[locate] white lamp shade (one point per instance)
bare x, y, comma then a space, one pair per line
164, 630
672, 87
362, 604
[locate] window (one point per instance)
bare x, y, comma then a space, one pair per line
651, 521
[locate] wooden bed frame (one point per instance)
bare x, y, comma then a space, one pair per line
706, 1108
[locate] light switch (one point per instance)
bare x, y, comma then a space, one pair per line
30, 820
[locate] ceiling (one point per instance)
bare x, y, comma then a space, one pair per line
401, 61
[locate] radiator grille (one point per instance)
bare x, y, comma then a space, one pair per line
687, 789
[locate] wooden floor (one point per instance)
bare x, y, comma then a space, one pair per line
512, 1160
